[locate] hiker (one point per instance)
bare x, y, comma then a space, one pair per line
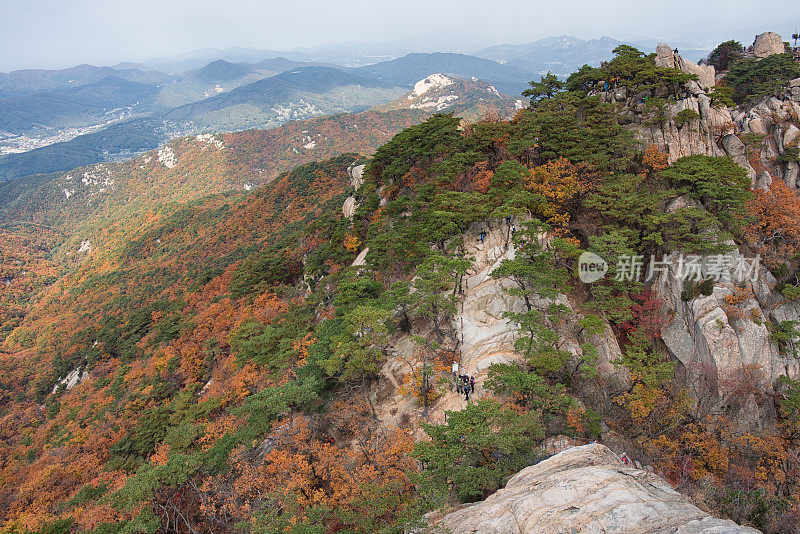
483, 234
466, 391
625, 461
472, 384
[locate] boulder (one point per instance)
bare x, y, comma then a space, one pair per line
665, 57
790, 136
735, 150
706, 74
767, 44
356, 175
581, 490
792, 174
349, 207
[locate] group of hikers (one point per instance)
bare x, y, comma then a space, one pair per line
465, 385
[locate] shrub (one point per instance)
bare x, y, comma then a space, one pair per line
725, 54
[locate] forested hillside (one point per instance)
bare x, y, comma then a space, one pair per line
279, 359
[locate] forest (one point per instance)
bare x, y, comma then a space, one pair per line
229, 351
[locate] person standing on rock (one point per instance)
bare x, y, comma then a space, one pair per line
472, 384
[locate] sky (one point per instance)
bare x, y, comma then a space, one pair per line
61, 33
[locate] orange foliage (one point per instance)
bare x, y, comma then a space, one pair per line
775, 230
299, 469
561, 183
733, 302
654, 159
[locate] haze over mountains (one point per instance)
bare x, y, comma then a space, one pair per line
54, 120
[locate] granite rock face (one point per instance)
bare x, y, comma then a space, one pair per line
581, 490
767, 44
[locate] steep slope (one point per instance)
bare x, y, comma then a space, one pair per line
284, 356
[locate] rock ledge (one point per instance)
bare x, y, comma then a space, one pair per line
581, 490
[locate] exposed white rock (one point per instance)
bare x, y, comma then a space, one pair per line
356, 175
667, 57
585, 490
361, 259
434, 81
349, 207
210, 140
86, 246
167, 157
486, 335
75, 377
767, 44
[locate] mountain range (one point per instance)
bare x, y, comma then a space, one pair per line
125, 117
53, 120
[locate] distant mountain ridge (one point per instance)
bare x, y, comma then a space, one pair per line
299, 93
189, 167
413, 67
564, 54
22, 82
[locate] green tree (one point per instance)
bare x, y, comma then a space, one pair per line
539, 272
725, 55
476, 450
752, 79
547, 87
528, 389
357, 352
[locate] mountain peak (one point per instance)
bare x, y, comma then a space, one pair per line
221, 70
433, 81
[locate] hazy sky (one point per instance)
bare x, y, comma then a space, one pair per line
59, 33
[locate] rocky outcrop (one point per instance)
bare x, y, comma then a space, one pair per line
486, 335
767, 44
794, 89
717, 130
667, 57
709, 335
356, 173
349, 207
582, 490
